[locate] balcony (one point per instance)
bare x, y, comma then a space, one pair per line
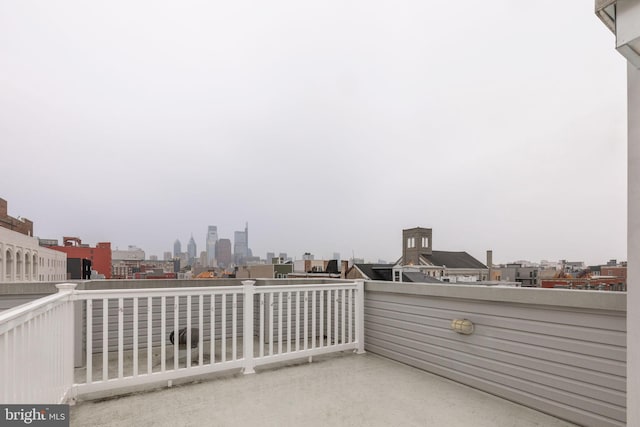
533, 357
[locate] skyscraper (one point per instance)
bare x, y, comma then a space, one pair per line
191, 250
241, 244
177, 249
223, 252
212, 238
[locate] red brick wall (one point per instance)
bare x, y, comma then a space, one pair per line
100, 256
22, 225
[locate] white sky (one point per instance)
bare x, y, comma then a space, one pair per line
328, 126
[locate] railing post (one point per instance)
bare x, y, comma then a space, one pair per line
359, 312
69, 334
247, 326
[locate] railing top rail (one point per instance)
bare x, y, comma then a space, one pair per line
30, 309
317, 287
156, 292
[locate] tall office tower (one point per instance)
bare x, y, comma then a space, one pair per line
241, 244
167, 256
223, 252
283, 255
270, 257
191, 250
212, 238
177, 249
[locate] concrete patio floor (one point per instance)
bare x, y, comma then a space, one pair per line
342, 389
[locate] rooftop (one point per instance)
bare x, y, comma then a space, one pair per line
341, 389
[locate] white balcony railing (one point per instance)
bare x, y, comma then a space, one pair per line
126, 334
36, 350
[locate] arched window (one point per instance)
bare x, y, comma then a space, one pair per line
27, 266
9, 265
19, 265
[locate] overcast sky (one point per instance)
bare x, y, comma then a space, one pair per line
328, 126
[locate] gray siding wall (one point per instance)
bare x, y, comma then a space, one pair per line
560, 352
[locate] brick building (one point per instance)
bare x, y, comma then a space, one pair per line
20, 225
78, 254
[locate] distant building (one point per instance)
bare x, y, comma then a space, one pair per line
81, 258
167, 256
264, 271
22, 259
223, 253
212, 238
516, 272
177, 248
241, 245
131, 253
192, 250
203, 261
19, 225
419, 256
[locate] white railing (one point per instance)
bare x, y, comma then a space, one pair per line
127, 331
36, 350
126, 335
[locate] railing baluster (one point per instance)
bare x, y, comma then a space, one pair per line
329, 314
288, 322
280, 310
163, 333
200, 328
25, 343
212, 357
313, 319
234, 325
261, 340
298, 293
223, 328
120, 338
149, 335
344, 313
105, 339
135, 336
188, 362
306, 319
89, 376
321, 335
176, 328
4, 363
350, 311
271, 308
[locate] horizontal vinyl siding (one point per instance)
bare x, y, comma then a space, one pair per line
568, 362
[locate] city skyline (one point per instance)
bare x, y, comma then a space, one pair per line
328, 127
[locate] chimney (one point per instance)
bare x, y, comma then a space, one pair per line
489, 259
343, 269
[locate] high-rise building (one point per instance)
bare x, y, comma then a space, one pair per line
270, 257
241, 244
212, 238
167, 256
223, 252
177, 248
191, 250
